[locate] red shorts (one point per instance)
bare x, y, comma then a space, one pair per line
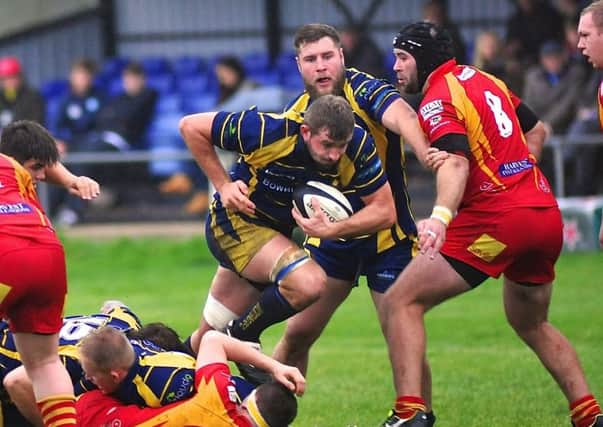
33, 284
522, 243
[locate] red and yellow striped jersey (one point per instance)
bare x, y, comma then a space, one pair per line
600, 102
502, 173
20, 210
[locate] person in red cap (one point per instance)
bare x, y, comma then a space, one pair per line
18, 101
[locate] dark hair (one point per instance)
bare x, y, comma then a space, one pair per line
311, 33
134, 68
234, 64
333, 113
428, 43
85, 64
276, 404
24, 140
161, 335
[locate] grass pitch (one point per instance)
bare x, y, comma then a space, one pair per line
482, 374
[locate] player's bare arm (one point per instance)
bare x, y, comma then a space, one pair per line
535, 139
401, 119
81, 186
378, 213
196, 132
451, 179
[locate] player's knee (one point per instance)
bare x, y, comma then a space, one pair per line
216, 314
306, 287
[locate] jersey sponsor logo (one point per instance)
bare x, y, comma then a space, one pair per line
183, 390
14, 208
274, 186
435, 120
513, 168
431, 109
372, 170
466, 74
232, 128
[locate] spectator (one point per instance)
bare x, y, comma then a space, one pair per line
77, 118
18, 101
80, 107
233, 87
120, 125
361, 51
554, 86
487, 56
436, 12
532, 23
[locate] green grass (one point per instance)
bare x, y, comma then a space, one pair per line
482, 374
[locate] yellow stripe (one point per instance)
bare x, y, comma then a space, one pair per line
4, 290
252, 408
478, 143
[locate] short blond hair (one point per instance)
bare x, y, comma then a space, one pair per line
108, 349
596, 8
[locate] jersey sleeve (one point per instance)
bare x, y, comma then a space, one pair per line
246, 131
374, 96
369, 173
438, 117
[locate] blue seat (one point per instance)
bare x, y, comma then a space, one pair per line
163, 136
256, 62
198, 103
115, 87
53, 110
265, 77
54, 88
285, 62
292, 82
186, 66
153, 65
193, 85
162, 83
168, 103
112, 67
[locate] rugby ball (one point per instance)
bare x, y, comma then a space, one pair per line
332, 201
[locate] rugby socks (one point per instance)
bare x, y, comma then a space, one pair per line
407, 406
583, 411
270, 309
58, 410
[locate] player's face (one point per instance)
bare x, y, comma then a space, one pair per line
590, 40
322, 67
36, 169
106, 382
406, 72
325, 151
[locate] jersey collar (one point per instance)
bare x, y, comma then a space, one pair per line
444, 68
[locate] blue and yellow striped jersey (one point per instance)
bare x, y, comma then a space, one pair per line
74, 329
274, 159
369, 98
158, 377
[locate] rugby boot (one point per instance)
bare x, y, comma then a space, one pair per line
420, 419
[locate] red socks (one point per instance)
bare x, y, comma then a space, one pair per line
58, 410
407, 406
583, 411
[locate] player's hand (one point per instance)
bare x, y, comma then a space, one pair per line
435, 158
432, 234
85, 188
234, 196
316, 226
290, 377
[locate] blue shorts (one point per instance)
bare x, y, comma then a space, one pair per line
348, 260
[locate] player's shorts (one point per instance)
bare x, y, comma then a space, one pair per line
33, 284
347, 260
523, 243
232, 240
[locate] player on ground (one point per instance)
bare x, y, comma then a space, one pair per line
494, 214
33, 281
590, 43
250, 220
381, 111
215, 403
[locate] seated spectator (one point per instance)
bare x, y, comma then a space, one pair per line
487, 56
361, 52
76, 119
18, 101
582, 162
436, 12
553, 87
120, 125
80, 107
232, 96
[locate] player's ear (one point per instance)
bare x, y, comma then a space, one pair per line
305, 132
